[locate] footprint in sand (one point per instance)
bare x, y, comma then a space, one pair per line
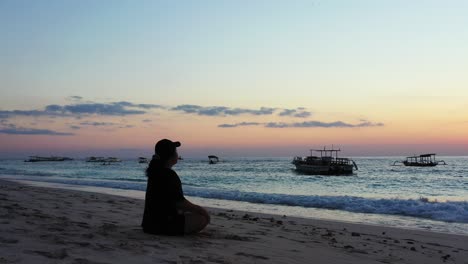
8, 241
86, 261
82, 225
108, 226
58, 254
103, 247
88, 236
250, 255
239, 238
55, 229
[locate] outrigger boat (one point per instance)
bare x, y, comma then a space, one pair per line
142, 160
424, 160
102, 159
41, 159
213, 159
327, 164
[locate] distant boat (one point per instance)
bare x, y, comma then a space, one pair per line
327, 164
213, 159
423, 160
42, 159
142, 160
102, 159
113, 159
95, 159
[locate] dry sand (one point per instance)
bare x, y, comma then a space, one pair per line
46, 225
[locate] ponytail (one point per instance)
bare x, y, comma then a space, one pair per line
159, 162
155, 164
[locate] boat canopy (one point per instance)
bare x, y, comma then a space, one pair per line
421, 160
423, 155
326, 152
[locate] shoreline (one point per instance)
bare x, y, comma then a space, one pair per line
43, 225
380, 220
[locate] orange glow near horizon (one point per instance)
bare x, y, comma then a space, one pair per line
198, 132
430, 122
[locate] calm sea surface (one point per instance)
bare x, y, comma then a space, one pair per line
423, 198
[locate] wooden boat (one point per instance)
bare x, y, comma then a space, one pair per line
213, 159
102, 159
423, 160
327, 164
142, 160
43, 159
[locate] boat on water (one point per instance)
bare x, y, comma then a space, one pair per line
142, 160
213, 159
43, 159
423, 160
328, 163
103, 159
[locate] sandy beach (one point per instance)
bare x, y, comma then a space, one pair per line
47, 225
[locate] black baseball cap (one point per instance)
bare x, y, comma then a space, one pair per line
165, 148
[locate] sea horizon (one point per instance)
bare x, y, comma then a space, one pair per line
225, 157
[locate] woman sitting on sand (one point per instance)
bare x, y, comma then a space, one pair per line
167, 212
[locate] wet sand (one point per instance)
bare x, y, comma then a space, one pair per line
47, 225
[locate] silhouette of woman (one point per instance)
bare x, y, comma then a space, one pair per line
167, 212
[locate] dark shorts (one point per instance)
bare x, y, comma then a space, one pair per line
173, 226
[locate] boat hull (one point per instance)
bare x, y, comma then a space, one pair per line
325, 169
47, 159
412, 164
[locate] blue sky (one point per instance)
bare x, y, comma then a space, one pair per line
341, 60
93, 48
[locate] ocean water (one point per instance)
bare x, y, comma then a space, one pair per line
434, 198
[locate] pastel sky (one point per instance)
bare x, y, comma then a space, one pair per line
234, 78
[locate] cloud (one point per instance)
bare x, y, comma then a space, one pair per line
229, 111
303, 114
299, 112
146, 120
88, 123
75, 98
307, 124
221, 110
10, 113
370, 124
287, 112
122, 108
144, 106
32, 131
101, 124
80, 109
149, 106
239, 124
112, 109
